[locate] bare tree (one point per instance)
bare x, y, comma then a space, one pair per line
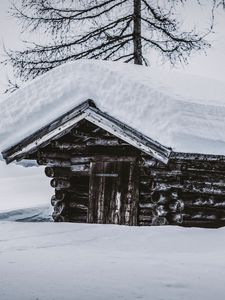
126, 30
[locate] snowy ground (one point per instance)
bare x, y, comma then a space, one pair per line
56, 261
98, 262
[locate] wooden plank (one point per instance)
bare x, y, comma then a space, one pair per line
50, 156
178, 156
75, 170
110, 192
94, 184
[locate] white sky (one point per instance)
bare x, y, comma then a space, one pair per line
210, 65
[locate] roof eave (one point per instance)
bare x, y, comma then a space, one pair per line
87, 110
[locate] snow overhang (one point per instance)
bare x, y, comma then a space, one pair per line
87, 110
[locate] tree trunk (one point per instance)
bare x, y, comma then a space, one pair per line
137, 33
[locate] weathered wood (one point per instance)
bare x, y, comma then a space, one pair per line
78, 205
183, 157
200, 188
60, 183
184, 190
51, 162
203, 223
53, 200
89, 143
203, 214
159, 221
55, 129
126, 133
75, 170
60, 195
68, 146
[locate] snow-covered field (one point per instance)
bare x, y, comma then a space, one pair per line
46, 261
81, 262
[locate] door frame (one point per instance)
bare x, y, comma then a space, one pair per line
97, 185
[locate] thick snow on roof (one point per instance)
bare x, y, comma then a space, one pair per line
181, 111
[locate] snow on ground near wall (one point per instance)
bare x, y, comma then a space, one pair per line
23, 187
82, 261
179, 110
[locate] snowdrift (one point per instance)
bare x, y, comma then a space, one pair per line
22, 188
180, 111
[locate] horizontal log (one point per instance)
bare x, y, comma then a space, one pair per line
203, 199
183, 182
160, 197
145, 198
60, 158
75, 192
77, 205
203, 223
191, 187
75, 170
204, 214
146, 211
159, 221
41, 154
76, 212
215, 166
54, 162
98, 132
62, 195
120, 150
145, 223
60, 183
205, 204
105, 142
68, 146
66, 218
145, 218
146, 205
183, 157
175, 218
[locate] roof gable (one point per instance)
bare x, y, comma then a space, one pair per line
87, 110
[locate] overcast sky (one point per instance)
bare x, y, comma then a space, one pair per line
211, 65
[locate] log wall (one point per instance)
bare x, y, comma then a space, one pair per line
188, 191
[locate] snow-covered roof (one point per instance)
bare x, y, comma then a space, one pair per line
178, 110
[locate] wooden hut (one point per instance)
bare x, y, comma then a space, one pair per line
102, 156
104, 171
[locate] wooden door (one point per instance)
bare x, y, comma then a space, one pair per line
113, 193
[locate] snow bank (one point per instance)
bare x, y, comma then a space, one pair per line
99, 262
23, 187
181, 111
30, 214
